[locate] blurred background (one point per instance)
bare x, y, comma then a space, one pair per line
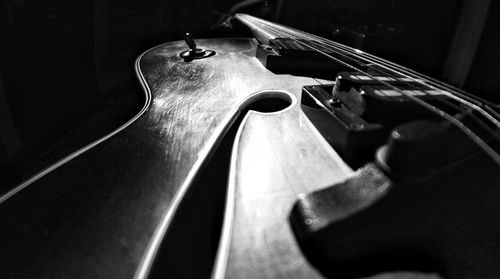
67, 67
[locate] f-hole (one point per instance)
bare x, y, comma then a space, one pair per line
189, 247
269, 101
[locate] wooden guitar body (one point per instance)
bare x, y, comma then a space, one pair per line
105, 213
223, 174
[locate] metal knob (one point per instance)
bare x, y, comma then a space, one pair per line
193, 52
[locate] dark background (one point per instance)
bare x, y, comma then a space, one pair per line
67, 67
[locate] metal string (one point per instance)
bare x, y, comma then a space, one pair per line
340, 49
349, 50
346, 52
286, 30
441, 100
470, 105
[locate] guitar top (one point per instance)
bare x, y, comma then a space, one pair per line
99, 214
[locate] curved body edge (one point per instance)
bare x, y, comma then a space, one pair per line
102, 211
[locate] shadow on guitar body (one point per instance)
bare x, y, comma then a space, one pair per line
443, 220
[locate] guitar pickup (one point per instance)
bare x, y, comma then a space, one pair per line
287, 56
357, 113
354, 138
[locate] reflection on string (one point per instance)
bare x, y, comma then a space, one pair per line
323, 46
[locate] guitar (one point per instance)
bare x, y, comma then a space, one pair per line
236, 168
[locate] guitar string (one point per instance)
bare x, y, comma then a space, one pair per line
376, 59
483, 145
470, 104
441, 113
458, 108
379, 61
453, 120
482, 107
473, 105
346, 49
442, 100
